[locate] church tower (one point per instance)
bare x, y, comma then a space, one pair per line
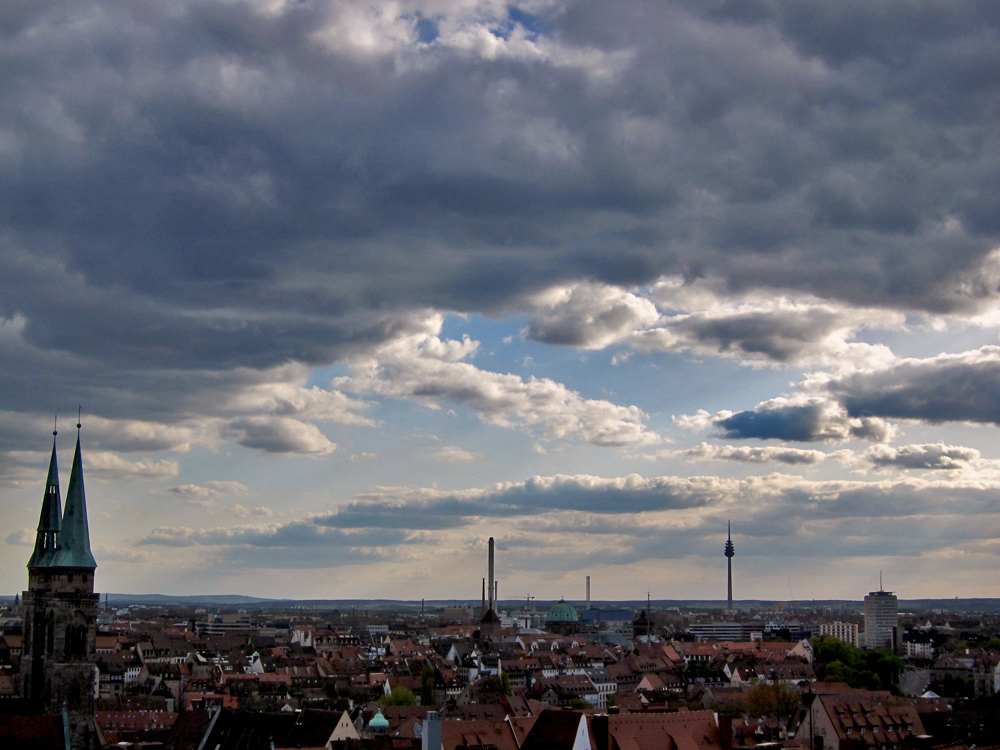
60, 622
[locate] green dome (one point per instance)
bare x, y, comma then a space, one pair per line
378, 722
562, 612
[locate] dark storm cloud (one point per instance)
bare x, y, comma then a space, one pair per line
948, 388
808, 422
295, 534
296, 545
780, 336
189, 189
407, 509
776, 515
961, 387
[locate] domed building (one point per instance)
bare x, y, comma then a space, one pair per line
379, 724
562, 618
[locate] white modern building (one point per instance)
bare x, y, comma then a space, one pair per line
881, 619
844, 631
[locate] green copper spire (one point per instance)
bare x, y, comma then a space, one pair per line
50, 522
74, 540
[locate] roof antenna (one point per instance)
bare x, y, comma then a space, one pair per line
880, 581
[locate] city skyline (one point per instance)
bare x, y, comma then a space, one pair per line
343, 292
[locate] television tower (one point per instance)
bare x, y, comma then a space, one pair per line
730, 550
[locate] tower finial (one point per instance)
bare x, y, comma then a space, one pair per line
79, 416
55, 425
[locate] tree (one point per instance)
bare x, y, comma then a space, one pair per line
427, 684
886, 666
836, 661
828, 649
771, 700
401, 696
505, 687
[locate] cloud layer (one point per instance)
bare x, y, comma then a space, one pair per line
258, 231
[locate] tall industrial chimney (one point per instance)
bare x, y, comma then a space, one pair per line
588, 592
491, 589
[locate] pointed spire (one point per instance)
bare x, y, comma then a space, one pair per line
74, 541
50, 521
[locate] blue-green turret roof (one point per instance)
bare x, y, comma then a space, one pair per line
50, 521
74, 540
562, 612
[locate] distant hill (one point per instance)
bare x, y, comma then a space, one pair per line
761, 605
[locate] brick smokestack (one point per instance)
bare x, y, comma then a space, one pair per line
492, 588
588, 592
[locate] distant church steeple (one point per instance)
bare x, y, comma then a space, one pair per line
50, 521
74, 540
60, 609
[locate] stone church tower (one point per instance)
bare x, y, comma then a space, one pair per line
60, 623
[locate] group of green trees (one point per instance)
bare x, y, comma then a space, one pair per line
403, 696
764, 701
836, 661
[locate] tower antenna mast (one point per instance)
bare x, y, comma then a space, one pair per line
730, 550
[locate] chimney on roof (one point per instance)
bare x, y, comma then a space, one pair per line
602, 730
725, 731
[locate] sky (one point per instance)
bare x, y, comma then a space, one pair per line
343, 289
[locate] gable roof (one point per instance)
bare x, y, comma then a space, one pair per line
556, 730
495, 734
682, 730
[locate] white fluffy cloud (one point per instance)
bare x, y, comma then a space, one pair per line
204, 495
580, 520
705, 319
928, 456
243, 512
753, 455
432, 370
280, 435
112, 467
588, 315
454, 454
